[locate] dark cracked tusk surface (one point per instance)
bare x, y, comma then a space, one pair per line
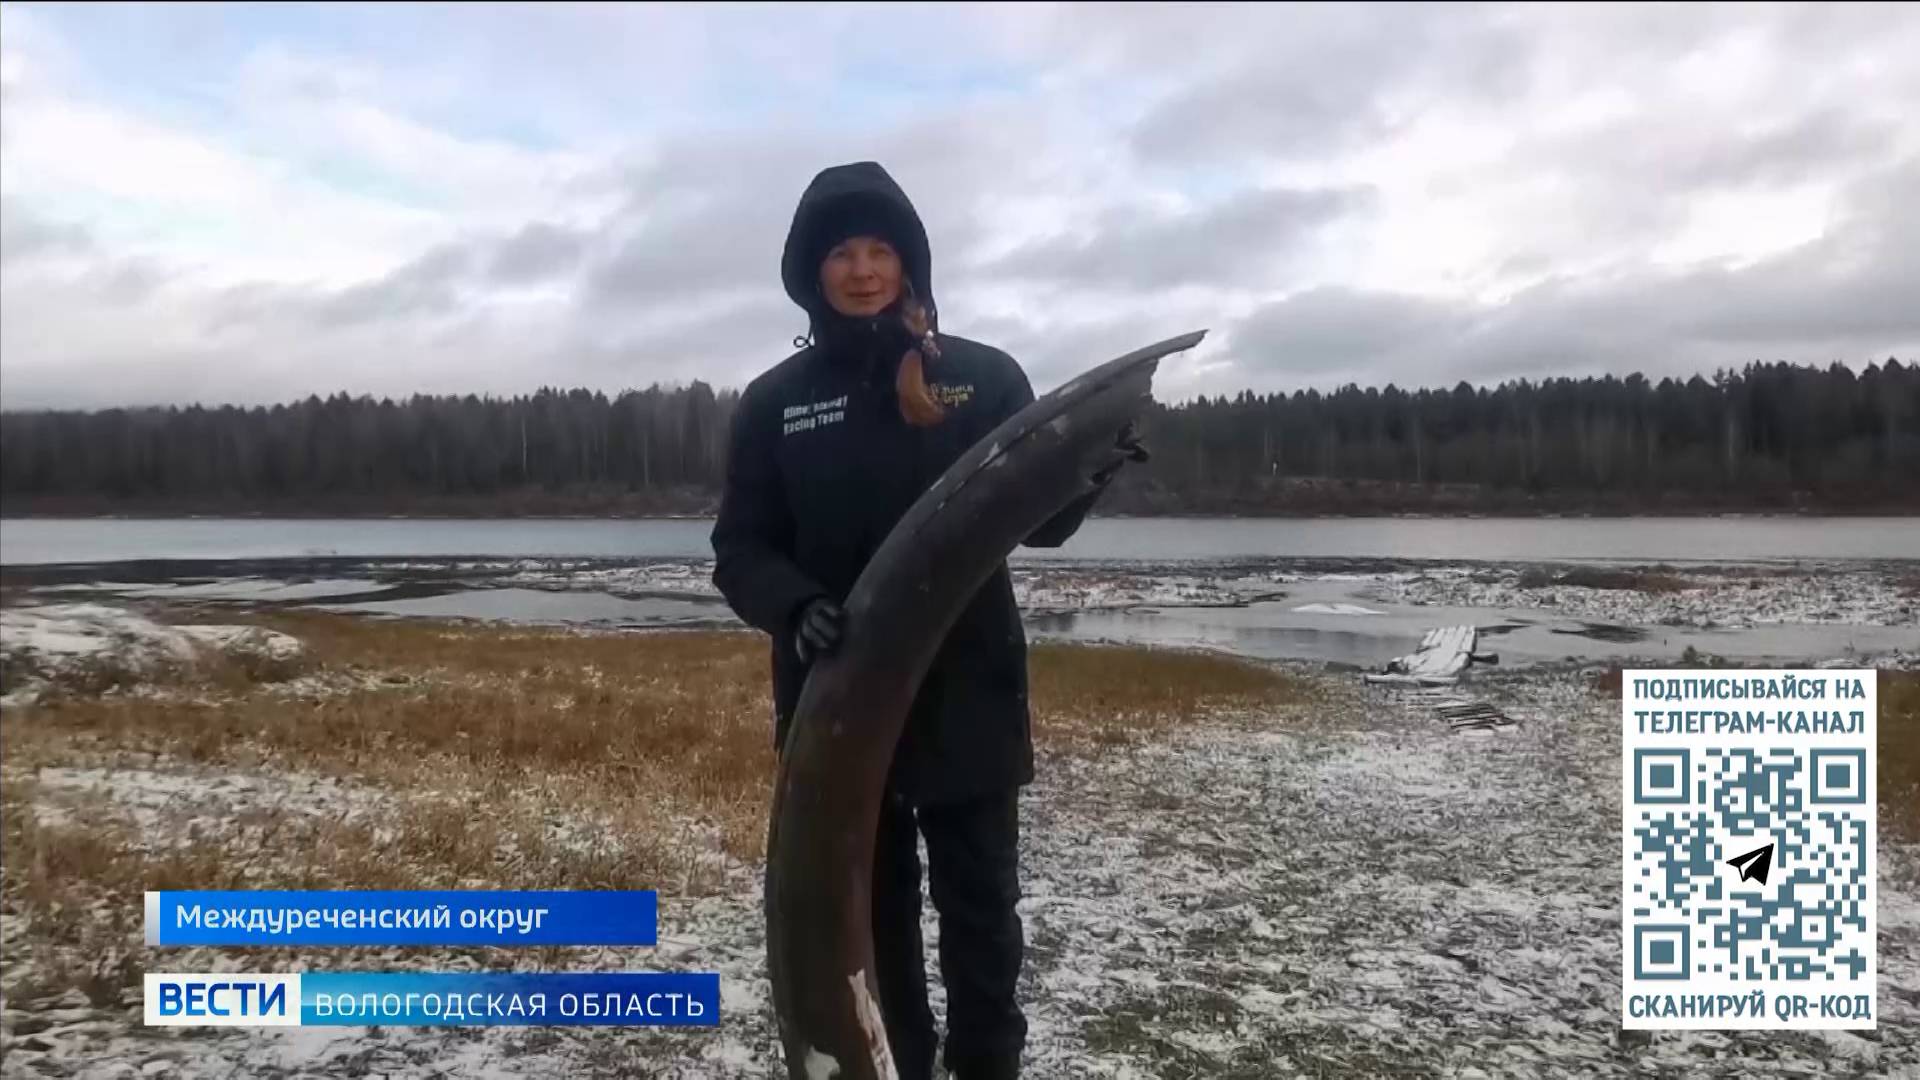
826, 800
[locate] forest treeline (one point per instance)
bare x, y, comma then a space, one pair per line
1771, 436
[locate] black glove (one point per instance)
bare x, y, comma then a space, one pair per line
1128, 443
817, 628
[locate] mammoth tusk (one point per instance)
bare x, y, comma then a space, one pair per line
833, 769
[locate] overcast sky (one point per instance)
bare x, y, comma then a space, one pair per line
251, 204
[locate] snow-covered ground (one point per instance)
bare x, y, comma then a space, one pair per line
172, 804
1346, 891
61, 641
1343, 890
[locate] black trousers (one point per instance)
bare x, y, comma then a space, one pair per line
973, 866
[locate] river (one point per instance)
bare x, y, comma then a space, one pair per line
43, 541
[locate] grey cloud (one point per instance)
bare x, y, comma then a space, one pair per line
1053, 352
710, 211
238, 309
1332, 336
442, 281
538, 252
447, 280
680, 282
25, 235
1237, 242
1661, 159
1298, 83
682, 279
1848, 295
160, 375
129, 281
688, 264
676, 250
1789, 151
1325, 330
1859, 282
429, 285
27, 238
726, 345
1290, 114
702, 213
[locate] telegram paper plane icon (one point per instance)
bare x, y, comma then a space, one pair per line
1753, 865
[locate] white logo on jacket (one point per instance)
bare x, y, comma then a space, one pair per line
807, 417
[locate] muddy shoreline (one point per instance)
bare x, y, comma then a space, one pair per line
1346, 612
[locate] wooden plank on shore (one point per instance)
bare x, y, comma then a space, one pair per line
1444, 651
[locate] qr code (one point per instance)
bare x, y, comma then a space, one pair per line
1747, 849
1795, 909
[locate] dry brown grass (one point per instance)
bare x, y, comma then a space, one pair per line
1119, 694
74, 886
611, 724
49, 866
1609, 683
600, 718
477, 739
1898, 698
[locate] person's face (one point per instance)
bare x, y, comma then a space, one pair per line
861, 276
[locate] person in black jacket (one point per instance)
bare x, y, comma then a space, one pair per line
828, 450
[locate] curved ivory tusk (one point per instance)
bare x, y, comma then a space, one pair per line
833, 770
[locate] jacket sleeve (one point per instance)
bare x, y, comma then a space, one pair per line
753, 564
1059, 528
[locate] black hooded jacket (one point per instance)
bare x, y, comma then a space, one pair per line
821, 466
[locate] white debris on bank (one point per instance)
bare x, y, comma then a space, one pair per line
47, 644
1089, 590
61, 634
1720, 597
1336, 894
1035, 588
690, 578
1726, 599
1334, 609
257, 640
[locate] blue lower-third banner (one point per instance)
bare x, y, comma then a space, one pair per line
359, 999
374, 917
